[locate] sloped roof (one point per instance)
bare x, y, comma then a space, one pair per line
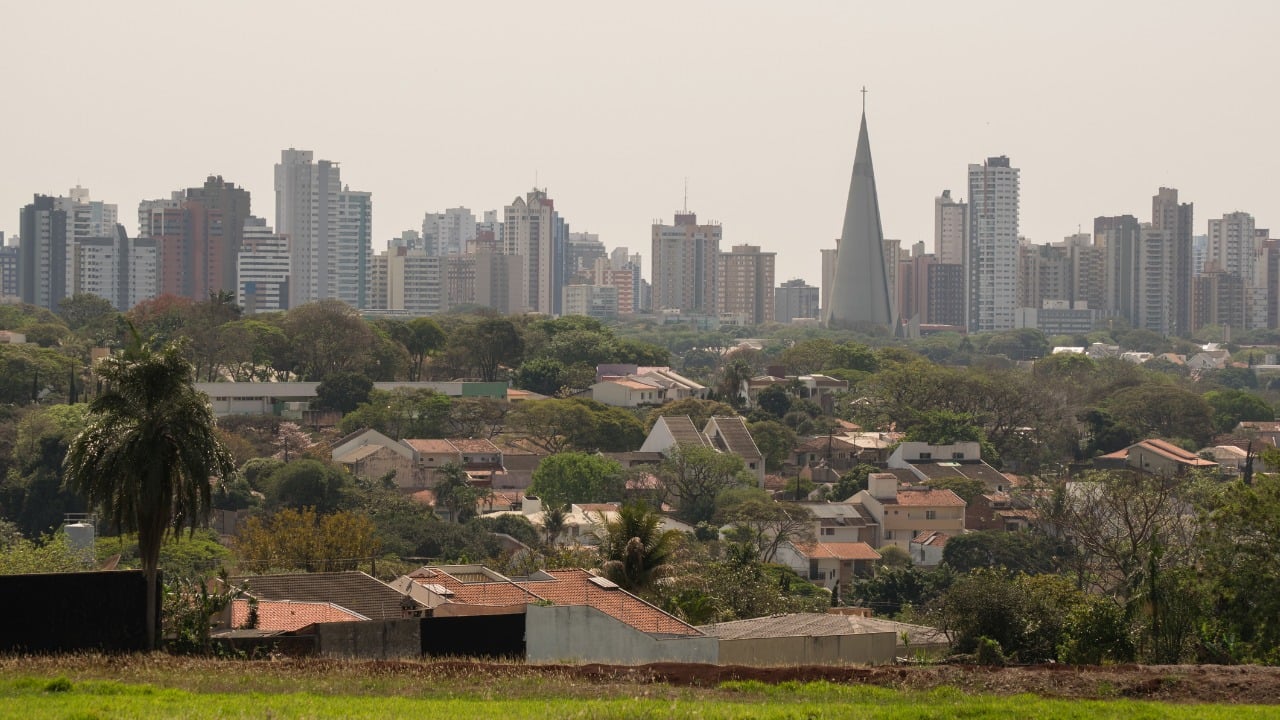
819, 625
837, 551
358, 454
559, 587
289, 615
733, 432
931, 538
683, 430
1165, 450
354, 591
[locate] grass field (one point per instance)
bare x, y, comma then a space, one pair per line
155, 688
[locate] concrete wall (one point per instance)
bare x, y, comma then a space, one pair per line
583, 634
370, 638
862, 649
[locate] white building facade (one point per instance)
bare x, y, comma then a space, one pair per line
992, 259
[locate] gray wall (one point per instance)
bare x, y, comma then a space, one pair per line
371, 638
861, 649
583, 634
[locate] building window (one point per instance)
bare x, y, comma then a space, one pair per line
957, 456
828, 531
926, 456
930, 514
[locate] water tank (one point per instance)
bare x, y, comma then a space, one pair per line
80, 537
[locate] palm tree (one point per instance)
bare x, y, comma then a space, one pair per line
635, 549
148, 452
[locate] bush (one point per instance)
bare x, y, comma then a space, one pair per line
989, 652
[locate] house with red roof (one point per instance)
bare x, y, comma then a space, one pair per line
904, 511
570, 614
1155, 456
829, 563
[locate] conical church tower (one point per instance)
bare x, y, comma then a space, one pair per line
860, 292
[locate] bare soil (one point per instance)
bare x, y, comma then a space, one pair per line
1169, 683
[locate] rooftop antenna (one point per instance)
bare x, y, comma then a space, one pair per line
686, 193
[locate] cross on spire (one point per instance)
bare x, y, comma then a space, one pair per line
864, 99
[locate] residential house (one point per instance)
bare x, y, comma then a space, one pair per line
926, 548
675, 386
371, 455
354, 592
905, 511
286, 615
998, 511
730, 435
629, 391
829, 563
1264, 430
934, 462
1154, 456
480, 458
840, 522
570, 615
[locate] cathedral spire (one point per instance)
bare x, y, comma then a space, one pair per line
860, 291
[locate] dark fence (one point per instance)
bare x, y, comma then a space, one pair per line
65, 612
491, 636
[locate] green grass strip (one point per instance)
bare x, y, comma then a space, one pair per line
35, 698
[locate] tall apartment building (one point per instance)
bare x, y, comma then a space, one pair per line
449, 232
263, 266
796, 299
330, 230
993, 245
8, 270
1118, 237
535, 232
828, 279
1235, 247
625, 278
198, 232
684, 265
49, 229
143, 271
1219, 298
744, 281
1157, 281
581, 253
1174, 219
945, 303
950, 227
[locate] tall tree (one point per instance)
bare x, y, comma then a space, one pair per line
575, 477
149, 452
695, 475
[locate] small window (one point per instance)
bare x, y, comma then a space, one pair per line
888, 534
828, 531
926, 456
930, 514
957, 456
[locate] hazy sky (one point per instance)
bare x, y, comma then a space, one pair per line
611, 106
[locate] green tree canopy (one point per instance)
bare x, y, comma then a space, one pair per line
343, 391
576, 477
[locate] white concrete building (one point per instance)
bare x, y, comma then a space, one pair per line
992, 258
530, 229
950, 228
262, 268
329, 227
449, 232
597, 301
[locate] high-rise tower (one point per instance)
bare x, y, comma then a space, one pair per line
992, 260
860, 290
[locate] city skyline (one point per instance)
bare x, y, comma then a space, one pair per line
612, 129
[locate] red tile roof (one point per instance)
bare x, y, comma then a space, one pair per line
927, 497
559, 587
838, 551
290, 615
